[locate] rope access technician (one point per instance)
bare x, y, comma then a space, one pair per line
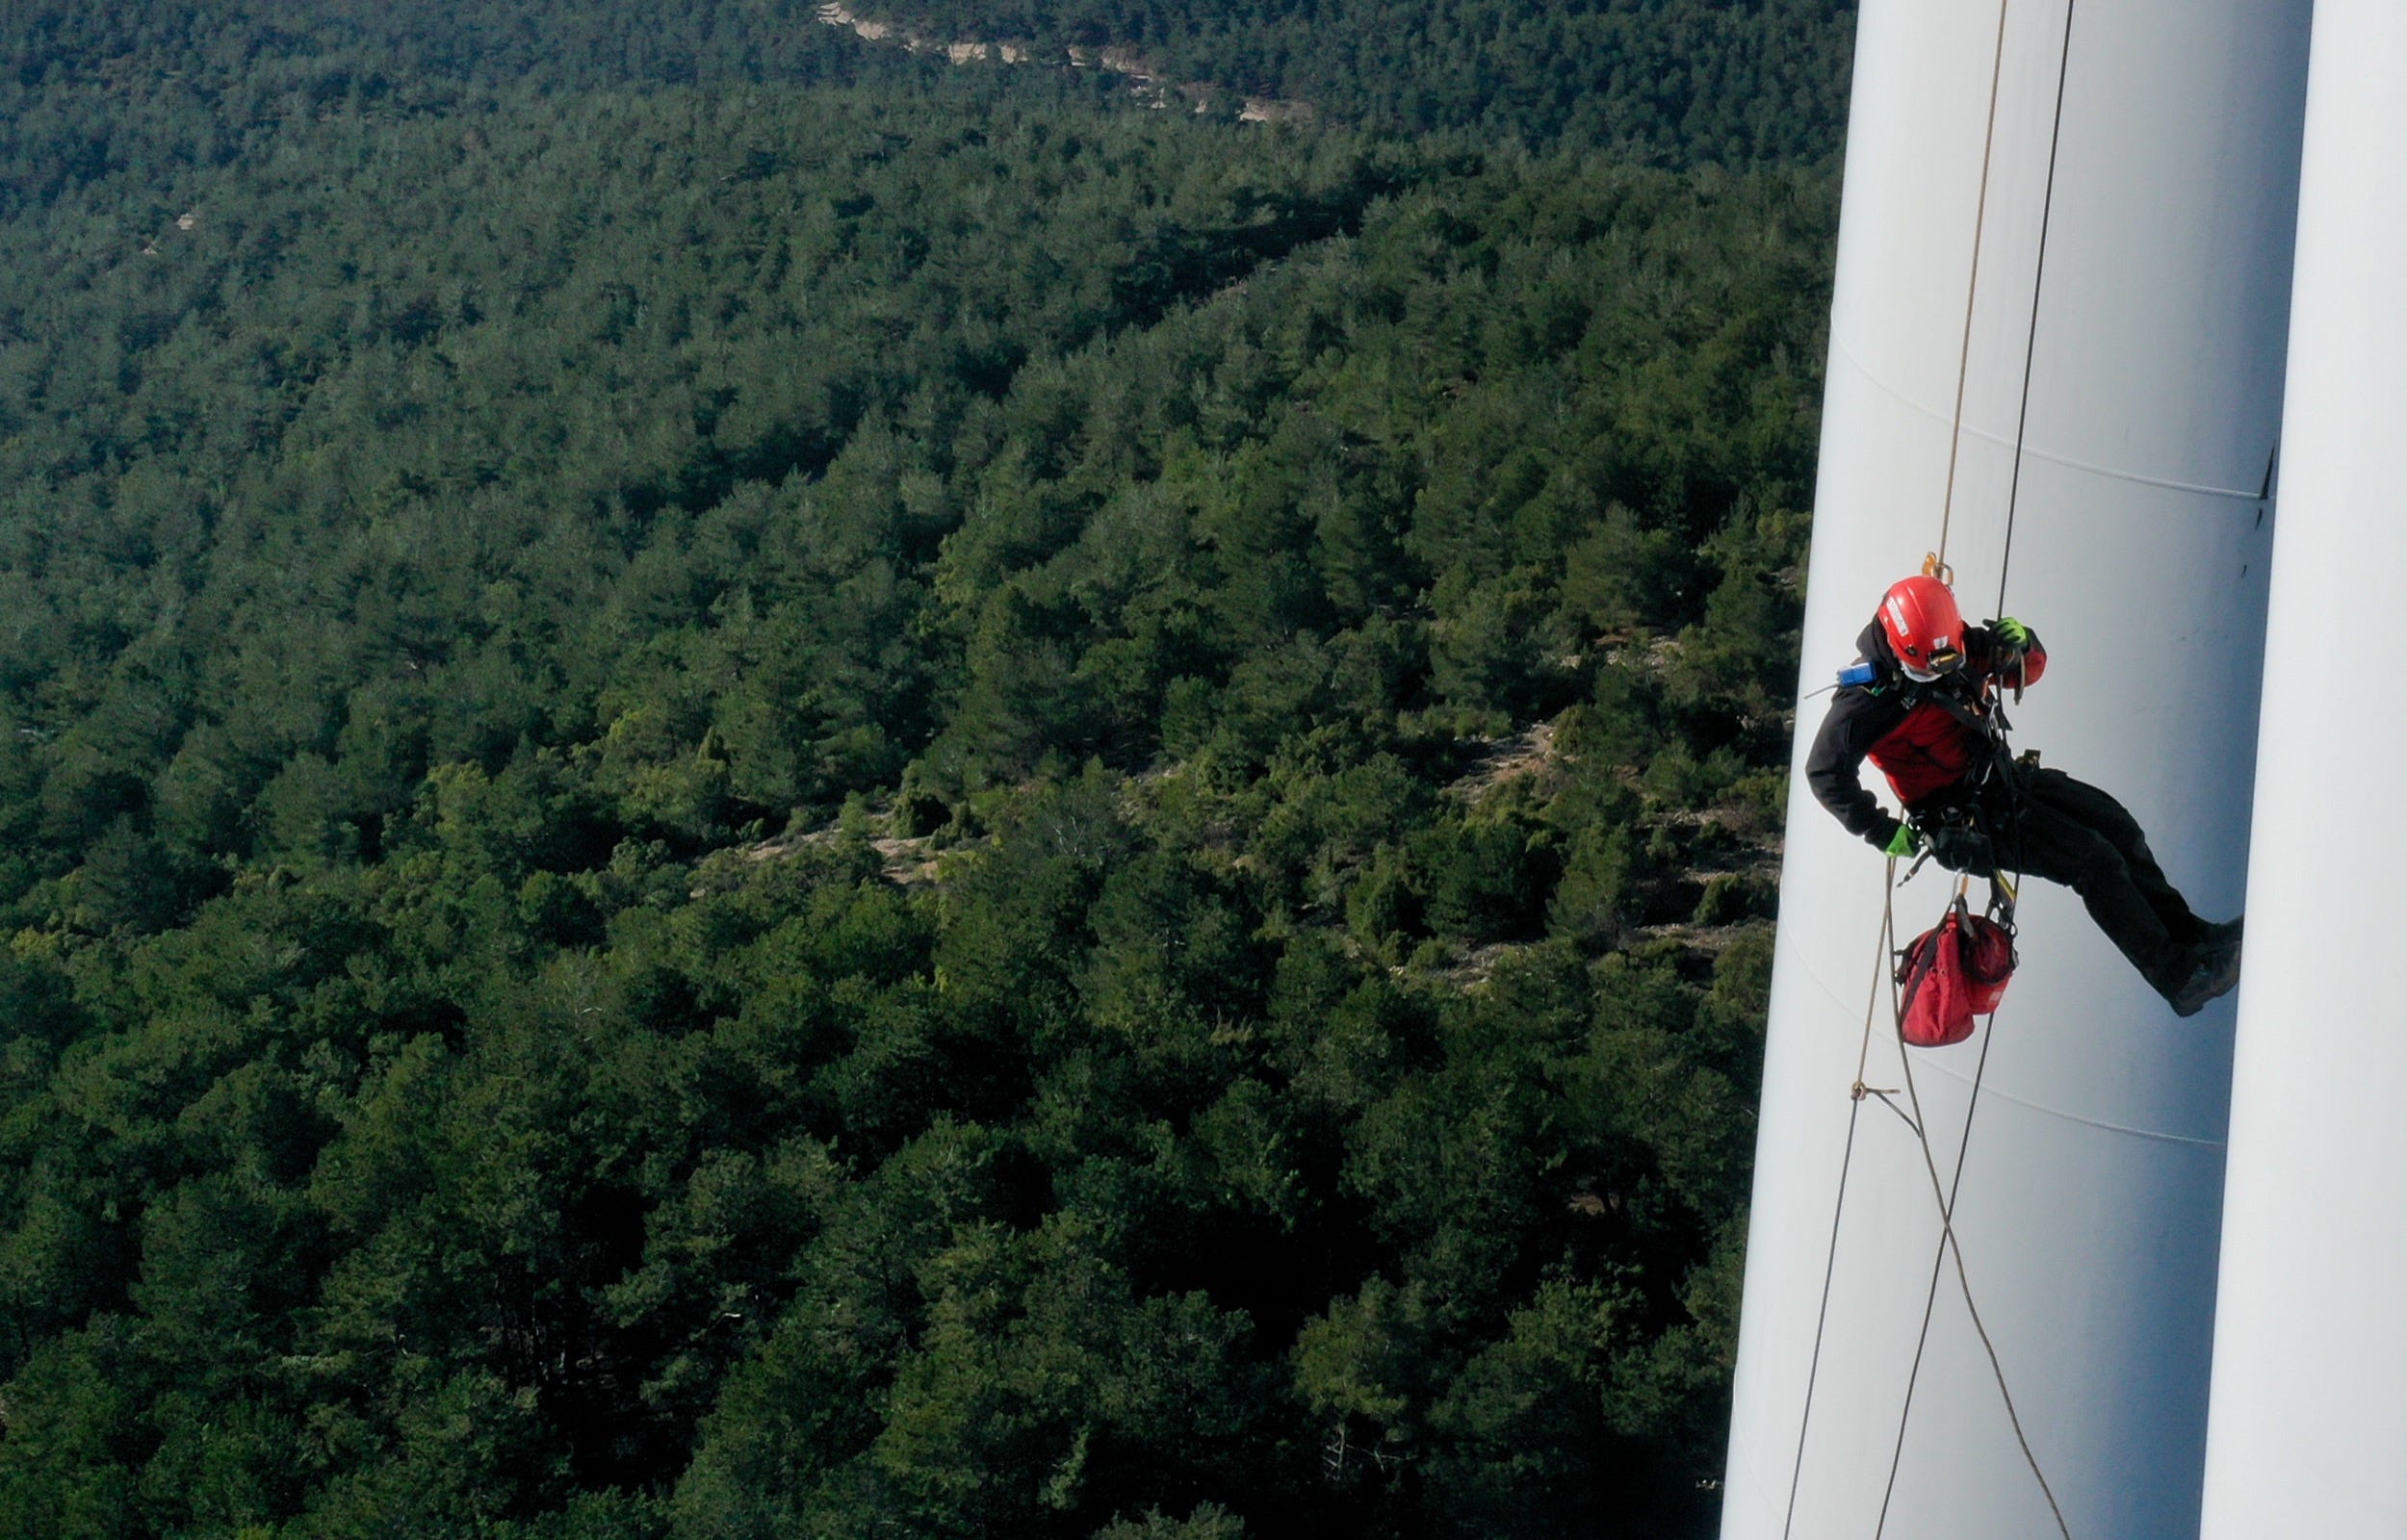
1917, 704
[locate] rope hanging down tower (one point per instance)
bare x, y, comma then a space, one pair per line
1946, 1194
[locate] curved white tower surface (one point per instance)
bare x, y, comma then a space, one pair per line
2092, 1190
2309, 1405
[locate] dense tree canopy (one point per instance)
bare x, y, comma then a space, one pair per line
757, 789
1671, 82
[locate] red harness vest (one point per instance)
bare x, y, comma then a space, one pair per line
1926, 753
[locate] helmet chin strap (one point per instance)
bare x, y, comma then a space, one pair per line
1919, 676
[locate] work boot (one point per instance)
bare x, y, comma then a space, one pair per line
2214, 973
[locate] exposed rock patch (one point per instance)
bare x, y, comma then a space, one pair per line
1143, 76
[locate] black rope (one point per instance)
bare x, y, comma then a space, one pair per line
1838, 1208
2038, 281
1913, 1376
2010, 794
1950, 1246
1938, 1262
1972, 287
1947, 1193
1946, 506
1947, 1197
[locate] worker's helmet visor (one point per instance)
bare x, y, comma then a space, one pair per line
1939, 659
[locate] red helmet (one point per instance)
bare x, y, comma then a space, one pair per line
1926, 630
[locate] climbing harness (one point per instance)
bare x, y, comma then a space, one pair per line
2005, 842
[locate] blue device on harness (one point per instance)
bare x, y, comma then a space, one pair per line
1857, 673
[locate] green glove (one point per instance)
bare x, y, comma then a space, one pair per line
1903, 844
2014, 633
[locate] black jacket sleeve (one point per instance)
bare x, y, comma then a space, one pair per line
1859, 717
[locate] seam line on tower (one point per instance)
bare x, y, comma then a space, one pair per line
2139, 477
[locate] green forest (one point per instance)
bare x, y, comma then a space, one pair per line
1735, 83
752, 787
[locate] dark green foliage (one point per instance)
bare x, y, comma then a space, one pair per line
752, 789
1731, 82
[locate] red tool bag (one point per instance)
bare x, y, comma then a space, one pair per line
1952, 972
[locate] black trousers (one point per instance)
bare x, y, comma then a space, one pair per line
2069, 831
